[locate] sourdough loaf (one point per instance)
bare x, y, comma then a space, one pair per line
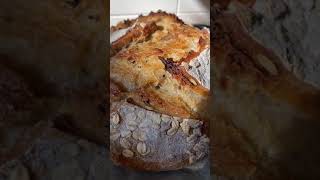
159, 77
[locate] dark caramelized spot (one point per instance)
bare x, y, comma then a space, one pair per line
127, 22
131, 60
144, 98
170, 65
147, 101
178, 71
160, 28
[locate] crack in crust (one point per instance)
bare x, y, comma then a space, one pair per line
146, 70
149, 56
179, 72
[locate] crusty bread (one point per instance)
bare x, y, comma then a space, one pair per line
148, 68
155, 92
147, 140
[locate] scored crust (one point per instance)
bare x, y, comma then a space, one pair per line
147, 64
156, 95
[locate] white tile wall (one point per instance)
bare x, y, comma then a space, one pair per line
195, 18
190, 11
186, 6
125, 7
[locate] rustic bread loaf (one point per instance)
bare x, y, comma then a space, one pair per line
148, 65
159, 77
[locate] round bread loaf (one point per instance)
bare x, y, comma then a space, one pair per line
144, 136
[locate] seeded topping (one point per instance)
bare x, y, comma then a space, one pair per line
148, 63
154, 134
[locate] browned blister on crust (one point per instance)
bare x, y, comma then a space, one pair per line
138, 33
155, 101
152, 62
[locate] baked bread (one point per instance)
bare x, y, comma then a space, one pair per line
156, 88
149, 68
146, 140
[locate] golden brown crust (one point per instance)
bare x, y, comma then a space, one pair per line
184, 78
138, 33
150, 58
137, 164
122, 25
147, 71
151, 17
148, 98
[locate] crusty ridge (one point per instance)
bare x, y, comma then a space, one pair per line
152, 16
146, 62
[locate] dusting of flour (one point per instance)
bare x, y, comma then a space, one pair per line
199, 68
